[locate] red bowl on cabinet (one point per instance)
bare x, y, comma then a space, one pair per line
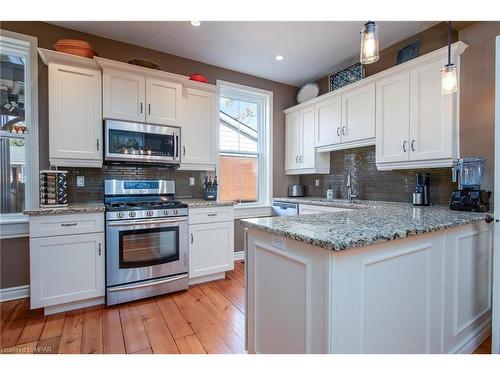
198, 78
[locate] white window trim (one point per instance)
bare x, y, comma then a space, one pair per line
16, 224
265, 187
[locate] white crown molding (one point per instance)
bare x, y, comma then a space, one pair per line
53, 57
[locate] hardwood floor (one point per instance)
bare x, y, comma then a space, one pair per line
208, 318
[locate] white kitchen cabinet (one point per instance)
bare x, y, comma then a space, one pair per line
300, 150
417, 126
163, 102
358, 116
346, 120
393, 118
432, 116
75, 118
328, 125
199, 121
124, 95
67, 266
211, 243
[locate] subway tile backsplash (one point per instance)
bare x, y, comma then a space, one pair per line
396, 186
93, 191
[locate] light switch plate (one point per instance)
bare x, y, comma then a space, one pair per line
80, 181
192, 181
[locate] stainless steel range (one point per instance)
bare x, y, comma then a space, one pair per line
146, 240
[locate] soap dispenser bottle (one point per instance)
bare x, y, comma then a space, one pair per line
329, 193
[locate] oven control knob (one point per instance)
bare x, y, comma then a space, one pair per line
176, 212
149, 213
131, 214
119, 215
165, 212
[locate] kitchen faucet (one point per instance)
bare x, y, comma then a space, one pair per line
350, 194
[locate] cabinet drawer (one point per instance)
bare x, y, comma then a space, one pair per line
60, 225
210, 215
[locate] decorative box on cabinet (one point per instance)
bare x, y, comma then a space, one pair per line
75, 116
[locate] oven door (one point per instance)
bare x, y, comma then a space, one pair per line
139, 250
142, 143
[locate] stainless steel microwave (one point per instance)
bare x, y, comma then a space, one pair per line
141, 143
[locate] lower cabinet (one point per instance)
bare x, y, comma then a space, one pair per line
211, 244
66, 269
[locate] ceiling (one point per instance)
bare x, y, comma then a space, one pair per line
311, 49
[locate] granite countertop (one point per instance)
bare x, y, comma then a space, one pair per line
200, 203
339, 203
77, 208
371, 223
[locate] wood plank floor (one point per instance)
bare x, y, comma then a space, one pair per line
208, 318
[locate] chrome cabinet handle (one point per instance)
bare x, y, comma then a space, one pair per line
183, 150
413, 145
69, 225
301, 158
404, 146
97, 145
149, 108
211, 214
141, 107
297, 159
343, 130
99, 249
191, 237
338, 131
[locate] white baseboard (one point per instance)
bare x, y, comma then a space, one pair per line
73, 305
239, 255
477, 339
16, 292
205, 279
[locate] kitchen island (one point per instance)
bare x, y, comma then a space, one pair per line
379, 278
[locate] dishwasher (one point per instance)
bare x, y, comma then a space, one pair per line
285, 208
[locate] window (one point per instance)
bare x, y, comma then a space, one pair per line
18, 124
244, 144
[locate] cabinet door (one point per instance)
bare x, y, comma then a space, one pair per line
124, 96
328, 122
392, 113
431, 114
75, 118
307, 149
358, 114
163, 102
199, 120
211, 248
292, 140
66, 268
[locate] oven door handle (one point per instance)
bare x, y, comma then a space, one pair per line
148, 283
129, 223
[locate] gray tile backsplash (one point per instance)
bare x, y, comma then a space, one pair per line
94, 180
373, 184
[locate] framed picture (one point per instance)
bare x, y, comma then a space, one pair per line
409, 52
346, 76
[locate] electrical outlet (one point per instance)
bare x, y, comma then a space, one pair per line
80, 181
316, 182
192, 181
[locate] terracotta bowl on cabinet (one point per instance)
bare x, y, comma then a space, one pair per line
75, 47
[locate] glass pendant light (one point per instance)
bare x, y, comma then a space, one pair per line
369, 43
449, 72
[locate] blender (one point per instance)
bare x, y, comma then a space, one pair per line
469, 196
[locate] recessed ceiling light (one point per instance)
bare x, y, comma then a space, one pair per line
196, 23
279, 57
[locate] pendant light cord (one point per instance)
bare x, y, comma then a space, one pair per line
449, 42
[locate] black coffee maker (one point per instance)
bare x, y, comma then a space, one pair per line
469, 196
421, 195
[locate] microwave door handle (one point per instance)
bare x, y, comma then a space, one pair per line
176, 146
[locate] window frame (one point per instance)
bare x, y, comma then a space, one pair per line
264, 138
15, 224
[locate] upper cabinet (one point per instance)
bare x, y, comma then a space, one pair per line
199, 121
131, 94
75, 116
300, 154
346, 120
400, 110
